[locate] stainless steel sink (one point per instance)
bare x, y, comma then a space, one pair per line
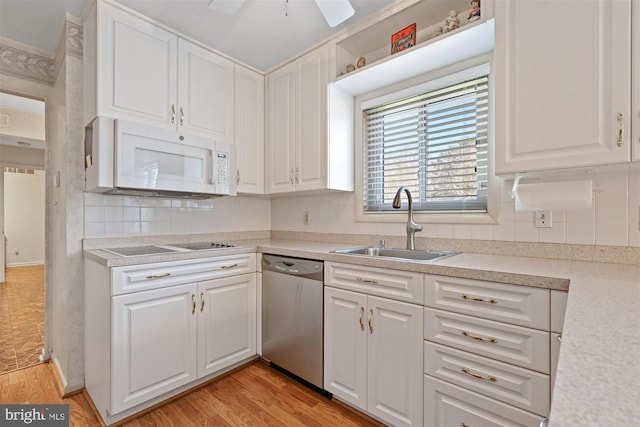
397, 253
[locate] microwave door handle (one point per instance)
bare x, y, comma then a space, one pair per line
209, 171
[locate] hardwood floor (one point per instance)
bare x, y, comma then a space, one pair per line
21, 317
255, 395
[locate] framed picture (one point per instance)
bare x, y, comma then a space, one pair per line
403, 39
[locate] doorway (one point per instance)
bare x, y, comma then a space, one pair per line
22, 226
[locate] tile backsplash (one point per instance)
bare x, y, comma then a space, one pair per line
120, 216
613, 220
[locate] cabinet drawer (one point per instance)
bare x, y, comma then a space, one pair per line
520, 346
558, 307
520, 305
395, 284
449, 405
135, 278
519, 387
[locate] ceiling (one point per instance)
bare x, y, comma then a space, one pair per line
261, 34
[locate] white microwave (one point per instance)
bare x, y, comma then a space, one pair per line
124, 157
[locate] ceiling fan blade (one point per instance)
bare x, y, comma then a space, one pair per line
226, 6
335, 11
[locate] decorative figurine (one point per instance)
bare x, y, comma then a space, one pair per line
362, 61
474, 14
452, 21
350, 68
439, 31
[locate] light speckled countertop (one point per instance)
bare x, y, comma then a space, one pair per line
598, 377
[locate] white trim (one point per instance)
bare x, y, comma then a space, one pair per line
473, 67
66, 386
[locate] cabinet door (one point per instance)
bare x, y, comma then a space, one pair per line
227, 324
153, 344
205, 93
345, 345
561, 87
280, 157
136, 69
249, 130
311, 131
394, 358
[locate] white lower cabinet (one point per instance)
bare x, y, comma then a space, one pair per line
154, 344
446, 405
192, 320
489, 356
227, 322
373, 355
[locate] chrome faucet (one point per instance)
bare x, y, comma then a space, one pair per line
412, 227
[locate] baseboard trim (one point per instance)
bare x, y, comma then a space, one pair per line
65, 388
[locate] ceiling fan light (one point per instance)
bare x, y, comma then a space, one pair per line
335, 11
226, 6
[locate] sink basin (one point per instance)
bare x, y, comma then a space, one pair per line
139, 251
397, 253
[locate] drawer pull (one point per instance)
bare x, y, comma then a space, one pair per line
369, 321
464, 425
193, 300
489, 300
201, 302
361, 322
480, 377
158, 276
559, 338
229, 266
475, 337
360, 279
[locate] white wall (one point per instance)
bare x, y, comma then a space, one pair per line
24, 218
119, 216
613, 220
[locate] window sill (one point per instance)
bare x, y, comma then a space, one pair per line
421, 218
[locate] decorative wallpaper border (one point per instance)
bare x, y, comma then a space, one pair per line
26, 62
18, 61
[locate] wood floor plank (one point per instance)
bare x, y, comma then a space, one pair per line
255, 395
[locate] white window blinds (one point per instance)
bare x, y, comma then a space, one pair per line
435, 144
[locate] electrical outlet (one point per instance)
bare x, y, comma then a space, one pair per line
542, 219
306, 218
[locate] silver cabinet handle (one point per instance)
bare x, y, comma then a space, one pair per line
158, 276
477, 299
291, 176
559, 338
297, 175
201, 302
544, 423
365, 280
620, 129
480, 377
475, 337
224, 267
193, 301
237, 176
181, 116
173, 114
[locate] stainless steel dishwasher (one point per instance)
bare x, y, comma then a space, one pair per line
292, 310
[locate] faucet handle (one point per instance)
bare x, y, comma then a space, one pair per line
382, 243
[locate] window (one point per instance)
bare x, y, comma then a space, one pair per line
435, 143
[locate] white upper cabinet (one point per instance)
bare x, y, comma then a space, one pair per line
249, 130
563, 84
301, 155
205, 92
136, 67
138, 71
